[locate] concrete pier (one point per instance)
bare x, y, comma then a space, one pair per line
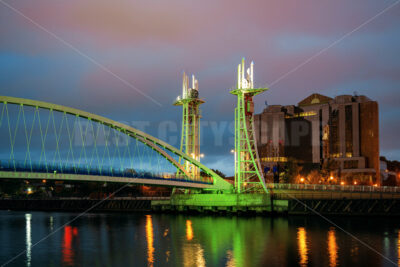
216, 203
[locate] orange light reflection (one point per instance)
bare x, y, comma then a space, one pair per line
332, 248
150, 240
189, 230
302, 244
398, 249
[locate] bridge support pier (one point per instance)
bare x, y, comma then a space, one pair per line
221, 203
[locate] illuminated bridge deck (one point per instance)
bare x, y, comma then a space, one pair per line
83, 173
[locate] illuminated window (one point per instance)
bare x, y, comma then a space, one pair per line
274, 159
302, 114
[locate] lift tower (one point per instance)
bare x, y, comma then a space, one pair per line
248, 174
190, 137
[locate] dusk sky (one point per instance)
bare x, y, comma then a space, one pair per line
124, 59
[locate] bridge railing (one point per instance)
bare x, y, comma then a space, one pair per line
58, 168
342, 188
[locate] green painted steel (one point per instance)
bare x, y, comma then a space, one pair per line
97, 178
190, 131
156, 145
221, 200
190, 134
248, 174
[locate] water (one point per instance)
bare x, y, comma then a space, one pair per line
116, 239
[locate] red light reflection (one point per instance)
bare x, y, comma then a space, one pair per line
68, 252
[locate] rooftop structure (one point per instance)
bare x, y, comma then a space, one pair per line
341, 131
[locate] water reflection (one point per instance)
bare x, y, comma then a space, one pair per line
230, 259
302, 244
68, 253
189, 230
130, 240
150, 240
398, 248
28, 239
51, 222
193, 255
332, 248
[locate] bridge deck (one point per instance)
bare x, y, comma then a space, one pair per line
172, 182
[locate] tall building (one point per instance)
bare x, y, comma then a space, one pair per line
321, 130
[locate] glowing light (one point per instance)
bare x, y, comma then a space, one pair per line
201, 155
29, 190
44, 181
189, 230
51, 222
331, 178
375, 185
28, 240
274, 159
398, 248
302, 179
332, 248
355, 182
341, 183
67, 251
302, 244
193, 255
150, 240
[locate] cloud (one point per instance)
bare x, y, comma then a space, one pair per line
150, 44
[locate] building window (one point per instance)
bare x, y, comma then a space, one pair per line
334, 133
349, 129
351, 164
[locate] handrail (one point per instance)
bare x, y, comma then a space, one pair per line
343, 188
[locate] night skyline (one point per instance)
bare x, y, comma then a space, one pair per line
149, 45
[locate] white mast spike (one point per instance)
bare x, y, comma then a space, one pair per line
239, 81
252, 74
242, 72
183, 85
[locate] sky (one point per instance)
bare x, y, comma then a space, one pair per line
124, 59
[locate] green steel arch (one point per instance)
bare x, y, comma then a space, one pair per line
154, 143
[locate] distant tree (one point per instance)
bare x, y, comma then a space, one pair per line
328, 167
219, 173
292, 171
313, 177
203, 174
11, 186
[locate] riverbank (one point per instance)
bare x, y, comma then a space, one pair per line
223, 204
139, 204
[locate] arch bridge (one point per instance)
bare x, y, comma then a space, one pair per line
40, 140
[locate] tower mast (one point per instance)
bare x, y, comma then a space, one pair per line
190, 137
248, 174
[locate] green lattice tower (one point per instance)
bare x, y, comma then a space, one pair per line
190, 136
248, 174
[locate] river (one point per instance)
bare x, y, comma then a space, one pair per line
144, 239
